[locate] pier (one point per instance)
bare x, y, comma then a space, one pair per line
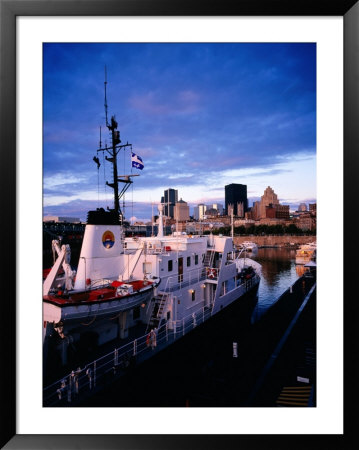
269, 240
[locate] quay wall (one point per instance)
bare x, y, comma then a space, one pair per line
275, 241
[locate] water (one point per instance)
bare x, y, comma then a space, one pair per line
279, 271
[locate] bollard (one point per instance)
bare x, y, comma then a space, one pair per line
94, 374
69, 388
88, 373
116, 357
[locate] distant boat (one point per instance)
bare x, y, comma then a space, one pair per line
249, 246
306, 253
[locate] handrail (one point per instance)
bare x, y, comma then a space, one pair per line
118, 359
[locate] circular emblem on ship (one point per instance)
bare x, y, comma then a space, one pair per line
108, 239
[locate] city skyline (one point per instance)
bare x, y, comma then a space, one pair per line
200, 116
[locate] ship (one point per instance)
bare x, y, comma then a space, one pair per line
306, 253
249, 246
132, 296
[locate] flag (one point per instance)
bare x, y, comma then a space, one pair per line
136, 161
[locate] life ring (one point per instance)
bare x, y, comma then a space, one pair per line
211, 273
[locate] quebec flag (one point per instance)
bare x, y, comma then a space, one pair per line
136, 161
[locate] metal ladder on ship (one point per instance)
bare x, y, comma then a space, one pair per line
160, 301
208, 261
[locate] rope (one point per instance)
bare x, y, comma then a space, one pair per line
92, 321
131, 187
116, 317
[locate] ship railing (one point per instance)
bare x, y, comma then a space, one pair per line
81, 383
180, 281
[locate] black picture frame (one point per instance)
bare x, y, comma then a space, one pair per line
9, 10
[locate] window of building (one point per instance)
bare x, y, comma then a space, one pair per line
196, 259
168, 315
193, 295
188, 261
170, 265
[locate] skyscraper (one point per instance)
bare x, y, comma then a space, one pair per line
169, 200
268, 198
235, 194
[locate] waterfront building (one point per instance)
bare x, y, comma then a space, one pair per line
271, 221
246, 222
282, 212
181, 211
236, 199
211, 212
268, 198
169, 200
218, 207
270, 212
255, 211
305, 222
61, 219
199, 211
201, 227
313, 208
302, 207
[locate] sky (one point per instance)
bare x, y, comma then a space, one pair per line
200, 116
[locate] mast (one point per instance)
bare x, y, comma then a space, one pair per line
113, 151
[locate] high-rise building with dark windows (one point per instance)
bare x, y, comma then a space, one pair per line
169, 200
236, 199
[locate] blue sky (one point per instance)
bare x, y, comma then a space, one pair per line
200, 116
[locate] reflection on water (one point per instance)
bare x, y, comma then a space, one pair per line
279, 271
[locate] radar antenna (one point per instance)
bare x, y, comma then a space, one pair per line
113, 151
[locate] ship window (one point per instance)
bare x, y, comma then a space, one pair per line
170, 265
168, 315
188, 261
196, 259
193, 295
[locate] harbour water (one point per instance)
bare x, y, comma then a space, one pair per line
279, 271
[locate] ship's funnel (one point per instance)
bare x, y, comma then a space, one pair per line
101, 256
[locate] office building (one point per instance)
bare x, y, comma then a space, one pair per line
268, 198
169, 200
181, 211
236, 199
